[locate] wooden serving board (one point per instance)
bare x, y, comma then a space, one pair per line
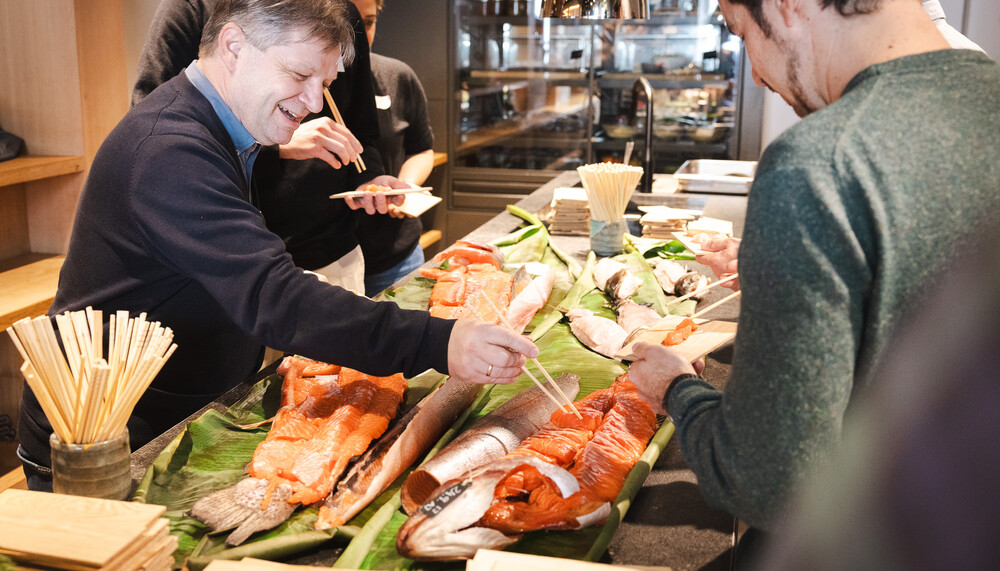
710, 336
72, 532
251, 564
492, 560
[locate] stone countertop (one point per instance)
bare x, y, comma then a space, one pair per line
668, 523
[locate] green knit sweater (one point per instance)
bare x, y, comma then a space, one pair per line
853, 213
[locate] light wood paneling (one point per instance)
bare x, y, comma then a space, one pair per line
42, 106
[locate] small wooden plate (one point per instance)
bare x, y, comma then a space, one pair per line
710, 336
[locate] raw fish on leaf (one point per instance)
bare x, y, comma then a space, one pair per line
599, 333
532, 298
562, 477
490, 438
323, 423
389, 456
690, 282
632, 315
616, 279
667, 273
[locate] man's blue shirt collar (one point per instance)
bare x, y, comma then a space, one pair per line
246, 146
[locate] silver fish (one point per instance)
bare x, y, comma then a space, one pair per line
492, 437
399, 447
443, 527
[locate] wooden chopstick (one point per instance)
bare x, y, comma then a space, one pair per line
704, 289
716, 304
359, 163
527, 372
548, 377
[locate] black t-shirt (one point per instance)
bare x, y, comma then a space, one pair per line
405, 131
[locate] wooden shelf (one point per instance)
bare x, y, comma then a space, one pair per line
440, 159
29, 168
29, 285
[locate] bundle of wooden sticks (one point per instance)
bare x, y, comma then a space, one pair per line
86, 397
608, 187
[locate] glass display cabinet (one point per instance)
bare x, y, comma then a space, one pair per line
534, 97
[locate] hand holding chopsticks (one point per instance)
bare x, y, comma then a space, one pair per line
566, 401
359, 163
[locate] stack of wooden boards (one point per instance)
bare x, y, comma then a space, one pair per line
660, 222
57, 531
570, 212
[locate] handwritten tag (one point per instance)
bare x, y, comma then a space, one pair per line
434, 507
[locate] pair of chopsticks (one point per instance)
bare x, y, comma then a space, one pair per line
359, 163
566, 402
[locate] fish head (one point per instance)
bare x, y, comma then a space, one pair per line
444, 527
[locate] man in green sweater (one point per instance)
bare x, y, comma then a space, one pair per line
854, 213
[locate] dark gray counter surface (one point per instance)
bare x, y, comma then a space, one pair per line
668, 524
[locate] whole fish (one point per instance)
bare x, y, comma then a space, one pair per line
398, 448
444, 528
490, 438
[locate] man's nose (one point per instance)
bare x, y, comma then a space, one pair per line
312, 96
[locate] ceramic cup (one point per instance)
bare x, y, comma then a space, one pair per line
607, 237
98, 470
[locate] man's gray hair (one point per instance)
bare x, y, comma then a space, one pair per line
269, 23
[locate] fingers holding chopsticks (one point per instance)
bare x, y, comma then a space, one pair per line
322, 138
476, 348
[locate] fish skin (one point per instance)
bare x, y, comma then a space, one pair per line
442, 528
492, 437
239, 506
396, 450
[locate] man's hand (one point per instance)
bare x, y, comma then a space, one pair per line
373, 202
722, 253
653, 369
323, 139
479, 352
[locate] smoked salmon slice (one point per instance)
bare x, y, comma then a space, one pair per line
325, 421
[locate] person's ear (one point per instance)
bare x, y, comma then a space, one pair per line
231, 42
790, 10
